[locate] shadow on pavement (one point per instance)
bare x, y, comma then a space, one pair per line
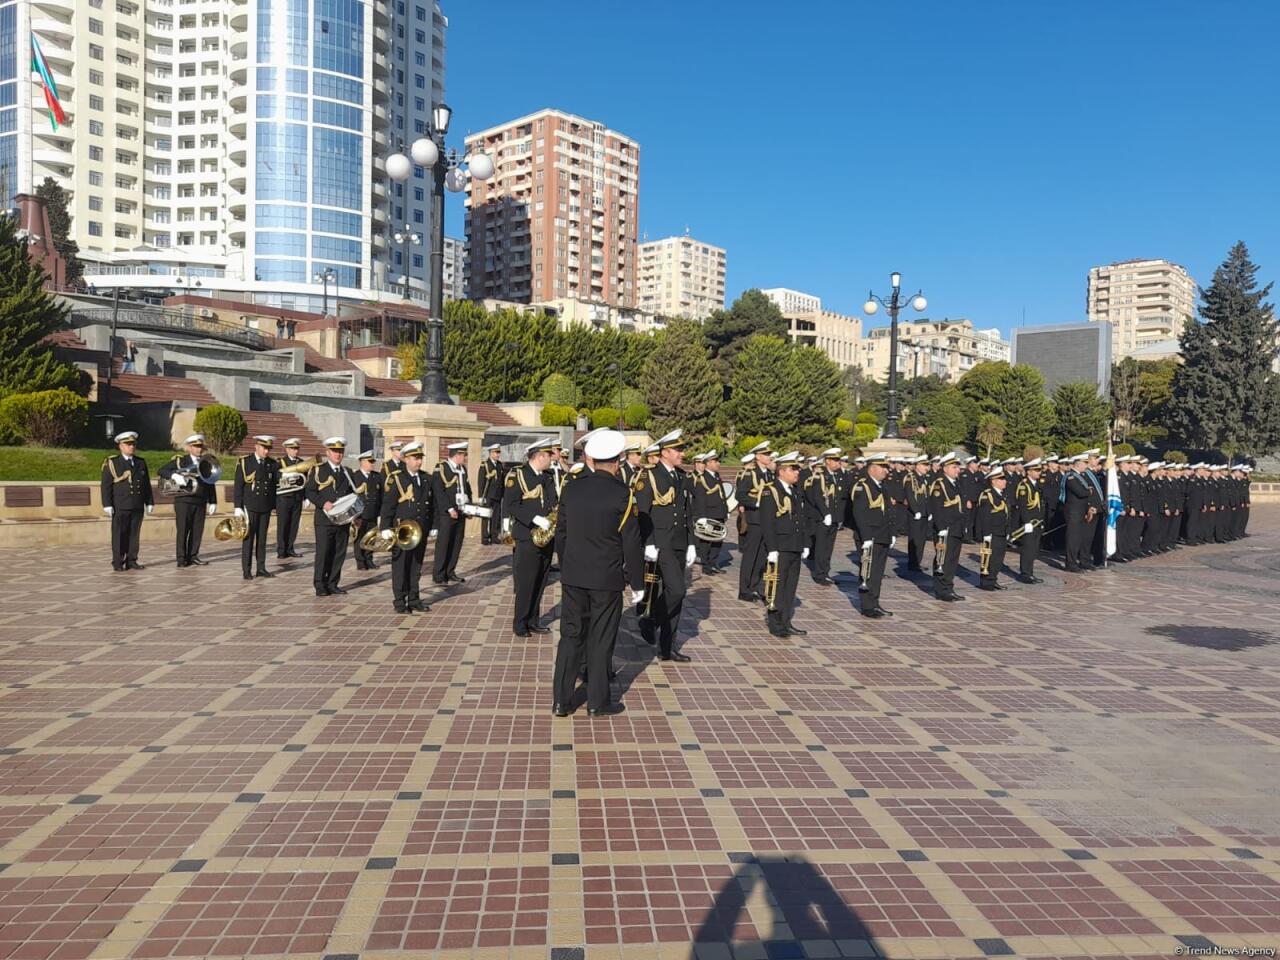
1226, 639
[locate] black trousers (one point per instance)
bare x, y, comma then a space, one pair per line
491, 527
917, 537
709, 553
588, 629
1079, 542
255, 541
751, 563
449, 533
669, 603
288, 516
821, 546
126, 529
331, 552
779, 618
1028, 551
406, 572
189, 517
875, 575
998, 547
529, 566
944, 566
364, 558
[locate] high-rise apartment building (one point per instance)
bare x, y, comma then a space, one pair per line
455, 260
681, 277
793, 301
559, 216
229, 147
944, 348
1145, 301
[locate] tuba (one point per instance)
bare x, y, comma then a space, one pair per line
294, 477
207, 470
231, 528
408, 534
542, 537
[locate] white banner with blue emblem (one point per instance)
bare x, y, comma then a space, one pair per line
1114, 506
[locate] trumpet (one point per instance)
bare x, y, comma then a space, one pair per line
507, 540
542, 537
207, 470
652, 584
771, 585
984, 558
231, 528
408, 534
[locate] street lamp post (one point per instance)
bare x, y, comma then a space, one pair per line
448, 171
893, 305
324, 276
407, 238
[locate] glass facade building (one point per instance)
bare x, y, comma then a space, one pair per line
8, 101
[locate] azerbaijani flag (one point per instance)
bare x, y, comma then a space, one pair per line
56, 114
1114, 506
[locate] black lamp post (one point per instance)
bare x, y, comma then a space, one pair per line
324, 276
893, 305
447, 171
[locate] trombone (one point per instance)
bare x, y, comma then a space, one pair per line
771, 585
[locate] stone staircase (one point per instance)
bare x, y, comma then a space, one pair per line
281, 426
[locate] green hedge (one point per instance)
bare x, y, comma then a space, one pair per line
70, 463
46, 418
223, 427
636, 415
557, 415
605, 417
558, 389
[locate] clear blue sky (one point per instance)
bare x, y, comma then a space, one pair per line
991, 151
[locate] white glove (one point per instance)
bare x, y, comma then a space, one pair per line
109, 511
771, 556
866, 544
211, 509
240, 512
542, 523
150, 507
1028, 527
651, 551
826, 521
432, 535
637, 596
387, 535
689, 553
919, 515
506, 525
892, 541
804, 554
987, 538
942, 534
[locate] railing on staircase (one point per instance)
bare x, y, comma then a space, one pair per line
180, 321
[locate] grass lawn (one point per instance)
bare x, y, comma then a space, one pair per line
66, 463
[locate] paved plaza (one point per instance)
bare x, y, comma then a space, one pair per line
192, 765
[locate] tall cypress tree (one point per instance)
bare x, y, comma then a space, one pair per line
679, 384
1226, 393
28, 314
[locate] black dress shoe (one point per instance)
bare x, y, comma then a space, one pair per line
453, 579
266, 574
609, 711
248, 576
196, 561
780, 634
398, 609
117, 568
825, 582
419, 605
559, 710
520, 633
875, 613
750, 597
295, 554
949, 598
183, 563
1000, 586
989, 587
134, 565
337, 590
797, 632
1026, 579
322, 593
648, 635
675, 656
536, 628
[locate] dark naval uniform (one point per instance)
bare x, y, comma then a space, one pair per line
489, 480
751, 484
528, 494
288, 514
126, 488
709, 502
950, 520
447, 482
189, 509
822, 506
255, 494
327, 483
1029, 506
874, 516
1079, 496
917, 493
970, 483
406, 496
598, 535
783, 528
369, 486
666, 521
992, 521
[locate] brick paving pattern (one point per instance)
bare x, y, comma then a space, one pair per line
195, 766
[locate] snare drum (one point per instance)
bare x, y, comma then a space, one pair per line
345, 509
475, 510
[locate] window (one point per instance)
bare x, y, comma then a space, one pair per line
95, 128
95, 228
420, 36
281, 244
418, 194
419, 81
95, 52
290, 218
421, 13
337, 115
95, 77
95, 203
331, 248
95, 153
420, 59
338, 88
334, 221
95, 178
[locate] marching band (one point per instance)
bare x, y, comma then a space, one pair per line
616, 522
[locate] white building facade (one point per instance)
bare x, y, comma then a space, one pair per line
1145, 301
681, 277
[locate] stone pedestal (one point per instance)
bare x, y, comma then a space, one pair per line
884, 447
435, 425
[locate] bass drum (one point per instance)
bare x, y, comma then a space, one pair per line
345, 509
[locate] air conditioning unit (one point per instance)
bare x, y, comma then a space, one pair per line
206, 313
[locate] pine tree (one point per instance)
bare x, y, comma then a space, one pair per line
823, 394
28, 314
1226, 394
55, 202
727, 331
1080, 415
1014, 394
679, 384
767, 396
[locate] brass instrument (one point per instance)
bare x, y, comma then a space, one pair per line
506, 539
652, 584
207, 470
231, 528
1021, 532
408, 534
294, 477
984, 558
771, 585
542, 537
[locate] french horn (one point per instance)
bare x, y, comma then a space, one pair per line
231, 528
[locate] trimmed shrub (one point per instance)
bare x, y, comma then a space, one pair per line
604, 417
560, 390
1031, 451
867, 416
843, 426
222, 426
558, 415
744, 444
1071, 449
1174, 456
864, 433
636, 415
629, 396
1123, 449
47, 418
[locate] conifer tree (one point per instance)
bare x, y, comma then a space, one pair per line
28, 314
